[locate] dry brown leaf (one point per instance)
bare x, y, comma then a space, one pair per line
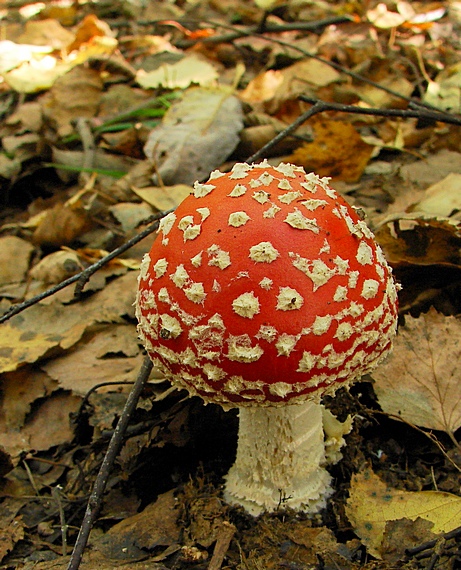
196, 135
420, 381
76, 94
15, 255
61, 225
45, 328
156, 526
179, 75
49, 425
11, 525
111, 354
130, 214
19, 390
420, 241
337, 151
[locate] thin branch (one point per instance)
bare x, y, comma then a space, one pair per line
94, 503
455, 533
269, 27
416, 113
321, 106
82, 278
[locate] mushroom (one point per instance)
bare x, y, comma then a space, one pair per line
266, 291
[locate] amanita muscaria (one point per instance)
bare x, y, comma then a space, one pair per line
266, 291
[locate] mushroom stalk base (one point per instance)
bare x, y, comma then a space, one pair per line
280, 459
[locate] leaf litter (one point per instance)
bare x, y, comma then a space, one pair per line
85, 112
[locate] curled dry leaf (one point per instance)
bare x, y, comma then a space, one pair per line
420, 381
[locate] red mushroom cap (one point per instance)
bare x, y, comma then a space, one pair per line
264, 287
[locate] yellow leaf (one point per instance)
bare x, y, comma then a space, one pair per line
372, 504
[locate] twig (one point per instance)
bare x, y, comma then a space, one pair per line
82, 278
56, 494
242, 32
226, 532
455, 533
113, 448
419, 113
321, 106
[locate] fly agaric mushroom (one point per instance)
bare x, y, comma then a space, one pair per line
266, 291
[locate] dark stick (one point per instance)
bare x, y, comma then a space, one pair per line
321, 106
94, 503
82, 278
419, 113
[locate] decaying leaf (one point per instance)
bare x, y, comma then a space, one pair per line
156, 526
196, 135
420, 381
47, 426
76, 94
445, 92
421, 241
178, 75
372, 504
43, 329
11, 525
337, 151
163, 198
15, 256
110, 354
442, 198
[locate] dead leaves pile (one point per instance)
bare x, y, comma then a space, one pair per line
104, 125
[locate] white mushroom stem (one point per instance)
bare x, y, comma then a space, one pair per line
280, 460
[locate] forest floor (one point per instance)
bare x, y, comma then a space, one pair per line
90, 158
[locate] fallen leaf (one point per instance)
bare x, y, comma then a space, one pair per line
15, 256
164, 198
178, 75
263, 87
442, 198
130, 214
337, 151
56, 267
372, 504
110, 354
31, 335
402, 534
196, 135
11, 525
156, 526
47, 426
61, 225
76, 94
46, 33
420, 380
20, 389
413, 239
445, 91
